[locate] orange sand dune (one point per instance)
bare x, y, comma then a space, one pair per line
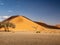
23, 23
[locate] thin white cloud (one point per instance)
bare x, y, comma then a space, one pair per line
10, 11
4, 17
1, 3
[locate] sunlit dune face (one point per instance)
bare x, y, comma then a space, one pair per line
18, 20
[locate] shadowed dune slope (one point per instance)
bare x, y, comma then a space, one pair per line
47, 26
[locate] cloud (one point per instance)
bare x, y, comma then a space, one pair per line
4, 17
10, 10
1, 3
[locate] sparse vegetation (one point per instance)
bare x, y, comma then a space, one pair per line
6, 25
37, 31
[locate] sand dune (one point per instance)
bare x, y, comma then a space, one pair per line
58, 25
23, 23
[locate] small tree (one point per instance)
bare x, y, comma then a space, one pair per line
6, 25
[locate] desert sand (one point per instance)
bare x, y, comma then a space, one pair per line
29, 38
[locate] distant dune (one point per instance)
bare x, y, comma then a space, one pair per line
48, 26
58, 25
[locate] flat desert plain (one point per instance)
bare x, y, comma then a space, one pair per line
29, 38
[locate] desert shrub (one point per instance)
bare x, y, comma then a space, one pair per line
37, 31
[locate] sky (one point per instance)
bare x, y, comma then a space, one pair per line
47, 11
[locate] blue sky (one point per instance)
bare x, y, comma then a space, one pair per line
47, 11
